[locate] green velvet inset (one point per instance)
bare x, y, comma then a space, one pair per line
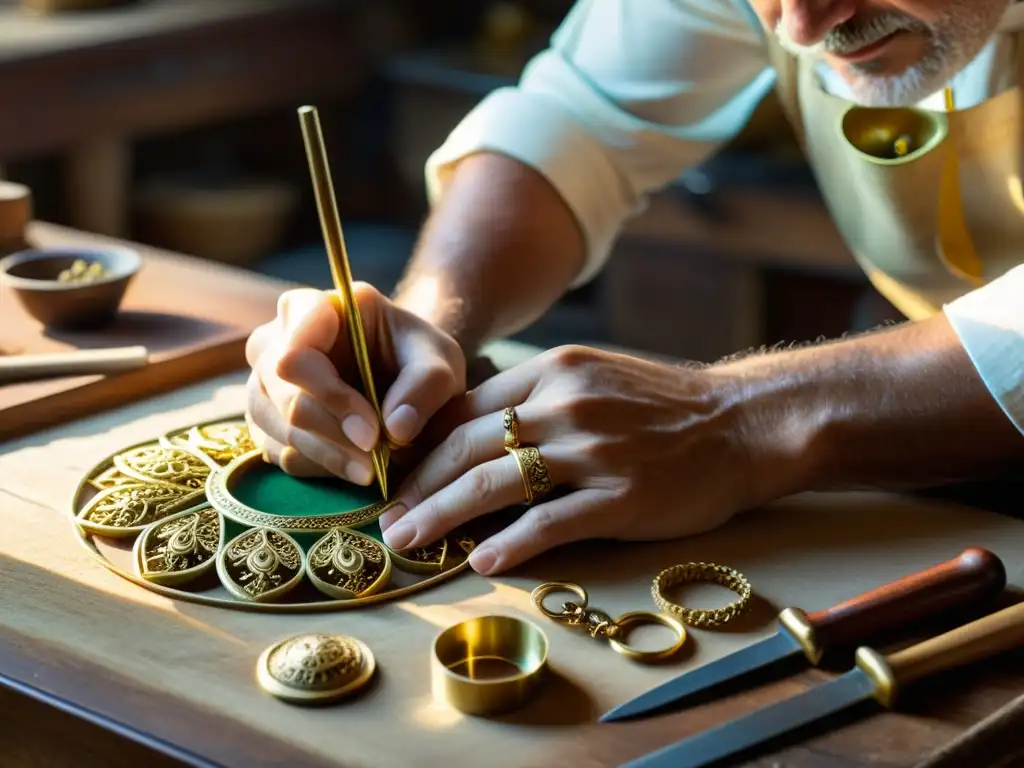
270, 489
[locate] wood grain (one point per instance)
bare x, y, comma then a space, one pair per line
183, 673
194, 317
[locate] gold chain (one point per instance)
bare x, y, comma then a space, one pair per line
720, 574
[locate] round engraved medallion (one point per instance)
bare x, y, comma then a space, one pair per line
315, 668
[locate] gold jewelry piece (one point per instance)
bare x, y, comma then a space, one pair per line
720, 574
534, 471
488, 665
179, 548
315, 668
221, 482
152, 496
599, 624
510, 422
261, 564
346, 564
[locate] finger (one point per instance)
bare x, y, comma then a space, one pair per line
425, 382
509, 388
308, 318
312, 372
257, 342
303, 430
553, 523
486, 488
468, 446
292, 461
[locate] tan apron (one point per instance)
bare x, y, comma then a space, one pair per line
967, 163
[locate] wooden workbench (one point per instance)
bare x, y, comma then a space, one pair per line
78, 636
89, 661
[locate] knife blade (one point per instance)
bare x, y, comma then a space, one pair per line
973, 576
874, 676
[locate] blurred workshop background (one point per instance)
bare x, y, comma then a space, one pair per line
172, 122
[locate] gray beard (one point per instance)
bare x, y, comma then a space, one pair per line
953, 41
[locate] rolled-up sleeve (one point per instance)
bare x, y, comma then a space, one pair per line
990, 324
627, 96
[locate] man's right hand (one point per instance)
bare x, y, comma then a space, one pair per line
305, 407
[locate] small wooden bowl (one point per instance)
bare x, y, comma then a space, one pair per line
33, 277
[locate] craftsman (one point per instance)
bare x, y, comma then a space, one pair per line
528, 195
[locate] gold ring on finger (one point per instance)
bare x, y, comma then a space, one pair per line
510, 422
534, 471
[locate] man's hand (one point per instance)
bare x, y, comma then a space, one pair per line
304, 403
645, 450
652, 451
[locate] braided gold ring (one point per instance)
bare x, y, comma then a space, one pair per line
533, 469
510, 422
720, 574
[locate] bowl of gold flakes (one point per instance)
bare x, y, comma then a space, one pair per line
70, 288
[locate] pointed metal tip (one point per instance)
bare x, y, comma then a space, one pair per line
614, 715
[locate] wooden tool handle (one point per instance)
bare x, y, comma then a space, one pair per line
983, 637
80, 362
972, 577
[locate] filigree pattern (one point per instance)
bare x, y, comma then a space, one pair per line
125, 509
347, 564
181, 547
110, 477
220, 443
422, 559
261, 564
219, 495
164, 465
315, 662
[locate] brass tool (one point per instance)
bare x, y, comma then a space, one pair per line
341, 272
488, 665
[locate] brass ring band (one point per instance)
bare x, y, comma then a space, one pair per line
488, 665
510, 423
720, 574
534, 471
539, 593
639, 618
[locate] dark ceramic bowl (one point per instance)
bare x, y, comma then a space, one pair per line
33, 276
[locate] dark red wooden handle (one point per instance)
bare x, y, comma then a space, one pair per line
974, 576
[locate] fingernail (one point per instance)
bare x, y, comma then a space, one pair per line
391, 516
400, 535
359, 432
359, 474
483, 559
402, 423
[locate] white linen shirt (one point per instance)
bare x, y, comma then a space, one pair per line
631, 93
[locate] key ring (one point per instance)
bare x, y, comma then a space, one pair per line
601, 625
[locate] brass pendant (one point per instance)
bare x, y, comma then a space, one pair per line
125, 509
216, 444
164, 465
180, 548
156, 495
315, 668
428, 559
219, 485
346, 564
261, 564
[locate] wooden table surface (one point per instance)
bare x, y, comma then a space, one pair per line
183, 673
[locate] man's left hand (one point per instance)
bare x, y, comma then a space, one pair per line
643, 451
